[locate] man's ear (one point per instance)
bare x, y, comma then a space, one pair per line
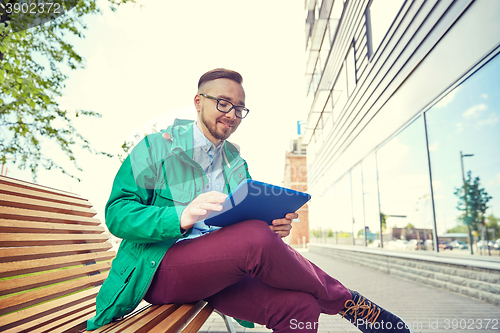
197, 101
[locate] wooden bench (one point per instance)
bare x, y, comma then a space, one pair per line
54, 255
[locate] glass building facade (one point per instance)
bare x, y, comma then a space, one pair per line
418, 169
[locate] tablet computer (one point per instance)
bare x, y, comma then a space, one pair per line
254, 200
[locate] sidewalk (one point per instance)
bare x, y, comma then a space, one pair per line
427, 309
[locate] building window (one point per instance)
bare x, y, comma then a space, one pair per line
380, 15
370, 200
404, 189
467, 122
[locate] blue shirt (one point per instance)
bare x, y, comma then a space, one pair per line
209, 157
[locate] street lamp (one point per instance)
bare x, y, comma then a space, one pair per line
465, 199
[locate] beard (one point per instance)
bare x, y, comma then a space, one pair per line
215, 130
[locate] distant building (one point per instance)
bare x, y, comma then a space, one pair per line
296, 179
401, 94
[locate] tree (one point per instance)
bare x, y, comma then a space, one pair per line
459, 229
473, 203
493, 222
32, 78
383, 220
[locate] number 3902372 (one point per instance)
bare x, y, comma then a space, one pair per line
33, 8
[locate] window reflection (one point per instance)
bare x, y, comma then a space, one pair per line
467, 120
342, 196
358, 211
404, 187
371, 204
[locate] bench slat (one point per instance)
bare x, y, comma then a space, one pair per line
198, 321
46, 206
21, 317
16, 302
39, 252
31, 215
178, 319
13, 240
146, 318
22, 184
17, 226
148, 321
41, 322
68, 323
39, 280
34, 194
39, 265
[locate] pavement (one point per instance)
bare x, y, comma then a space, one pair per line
426, 309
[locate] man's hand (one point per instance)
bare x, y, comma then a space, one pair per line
201, 207
283, 226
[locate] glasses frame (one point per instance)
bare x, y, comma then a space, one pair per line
232, 107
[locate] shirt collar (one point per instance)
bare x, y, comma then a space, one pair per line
201, 141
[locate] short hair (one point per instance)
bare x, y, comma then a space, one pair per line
220, 73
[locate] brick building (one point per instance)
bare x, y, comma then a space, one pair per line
296, 179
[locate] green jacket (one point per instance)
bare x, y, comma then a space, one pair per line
153, 186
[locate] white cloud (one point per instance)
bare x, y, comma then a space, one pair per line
485, 96
447, 99
434, 146
475, 111
490, 121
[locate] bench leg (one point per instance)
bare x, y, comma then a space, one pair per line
228, 322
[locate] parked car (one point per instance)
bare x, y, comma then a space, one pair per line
459, 245
445, 246
497, 244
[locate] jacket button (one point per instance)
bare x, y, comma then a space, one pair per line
152, 263
240, 175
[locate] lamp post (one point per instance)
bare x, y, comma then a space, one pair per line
465, 199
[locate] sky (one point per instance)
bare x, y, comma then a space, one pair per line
143, 63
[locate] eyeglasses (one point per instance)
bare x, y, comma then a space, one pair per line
226, 106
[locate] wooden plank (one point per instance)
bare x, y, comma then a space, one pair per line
39, 252
141, 309
39, 265
197, 322
17, 302
67, 323
11, 286
63, 313
145, 320
175, 321
46, 206
18, 226
20, 317
13, 240
33, 194
23, 184
31, 215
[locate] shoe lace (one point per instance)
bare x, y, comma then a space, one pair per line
362, 307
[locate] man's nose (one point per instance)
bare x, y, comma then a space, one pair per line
231, 114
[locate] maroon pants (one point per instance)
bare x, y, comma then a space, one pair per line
246, 271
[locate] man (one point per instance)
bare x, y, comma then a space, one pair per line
162, 193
